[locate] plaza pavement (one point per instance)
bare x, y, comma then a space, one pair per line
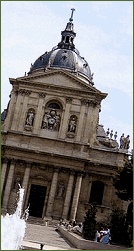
46, 235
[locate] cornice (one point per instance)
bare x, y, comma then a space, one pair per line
27, 80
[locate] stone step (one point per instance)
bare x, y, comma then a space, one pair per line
39, 221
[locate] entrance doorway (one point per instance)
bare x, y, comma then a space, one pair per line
36, 200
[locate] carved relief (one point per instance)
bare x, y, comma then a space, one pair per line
72, 126
52, 117
51, 120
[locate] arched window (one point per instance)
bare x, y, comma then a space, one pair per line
96, 192
52, 116
54, 106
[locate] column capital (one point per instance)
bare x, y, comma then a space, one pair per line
71, 172
5, 160
69, 100
24, 92
84, 102
56, 169
42, 95
92, 103
13, 161
28, 164
80, 173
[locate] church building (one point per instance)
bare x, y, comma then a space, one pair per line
52, 142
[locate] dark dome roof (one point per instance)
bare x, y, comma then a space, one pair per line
64, 55
62, 58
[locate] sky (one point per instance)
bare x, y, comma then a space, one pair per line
104, 37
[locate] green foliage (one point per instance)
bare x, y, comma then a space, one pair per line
89, 224
124, 180
119, 227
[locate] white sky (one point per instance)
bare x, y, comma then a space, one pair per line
104, 38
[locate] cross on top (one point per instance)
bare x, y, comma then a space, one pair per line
71, 18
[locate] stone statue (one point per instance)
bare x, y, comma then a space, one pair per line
124, 142
30, 118
45, 120
14, 196
57, 122
72, 125
127, 142
107, 133
115, 136
111, 134
60, 190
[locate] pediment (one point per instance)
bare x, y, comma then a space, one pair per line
62, 79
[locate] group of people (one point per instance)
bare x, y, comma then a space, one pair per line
103, 236
72, 226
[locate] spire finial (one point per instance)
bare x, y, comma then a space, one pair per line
71, 18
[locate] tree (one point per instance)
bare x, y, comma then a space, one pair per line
89, 224
124, 180
124, 223
118, 226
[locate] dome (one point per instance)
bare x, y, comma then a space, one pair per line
64, 56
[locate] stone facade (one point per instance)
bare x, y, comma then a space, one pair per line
49, 141
52, 143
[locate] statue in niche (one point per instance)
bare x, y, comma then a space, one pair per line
14, 196
60, 190
51, 120
72, 125
30, 118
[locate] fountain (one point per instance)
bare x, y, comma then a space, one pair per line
13, 227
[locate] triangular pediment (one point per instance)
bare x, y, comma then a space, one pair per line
60, 78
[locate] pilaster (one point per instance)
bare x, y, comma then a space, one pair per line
26, 180
68, 195
52, 193
17, 110
12, 102
65, 118
76, 196
81, 119
3, 173
39, 115
8, 184
26, 94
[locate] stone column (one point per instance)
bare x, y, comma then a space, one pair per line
17, 111
8, 120
66, 118
107, 194
3, 173
89, 187
68, 195
8, 185
52, 193
25, 181
81, 119
76, 196
39, 114
24, 110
